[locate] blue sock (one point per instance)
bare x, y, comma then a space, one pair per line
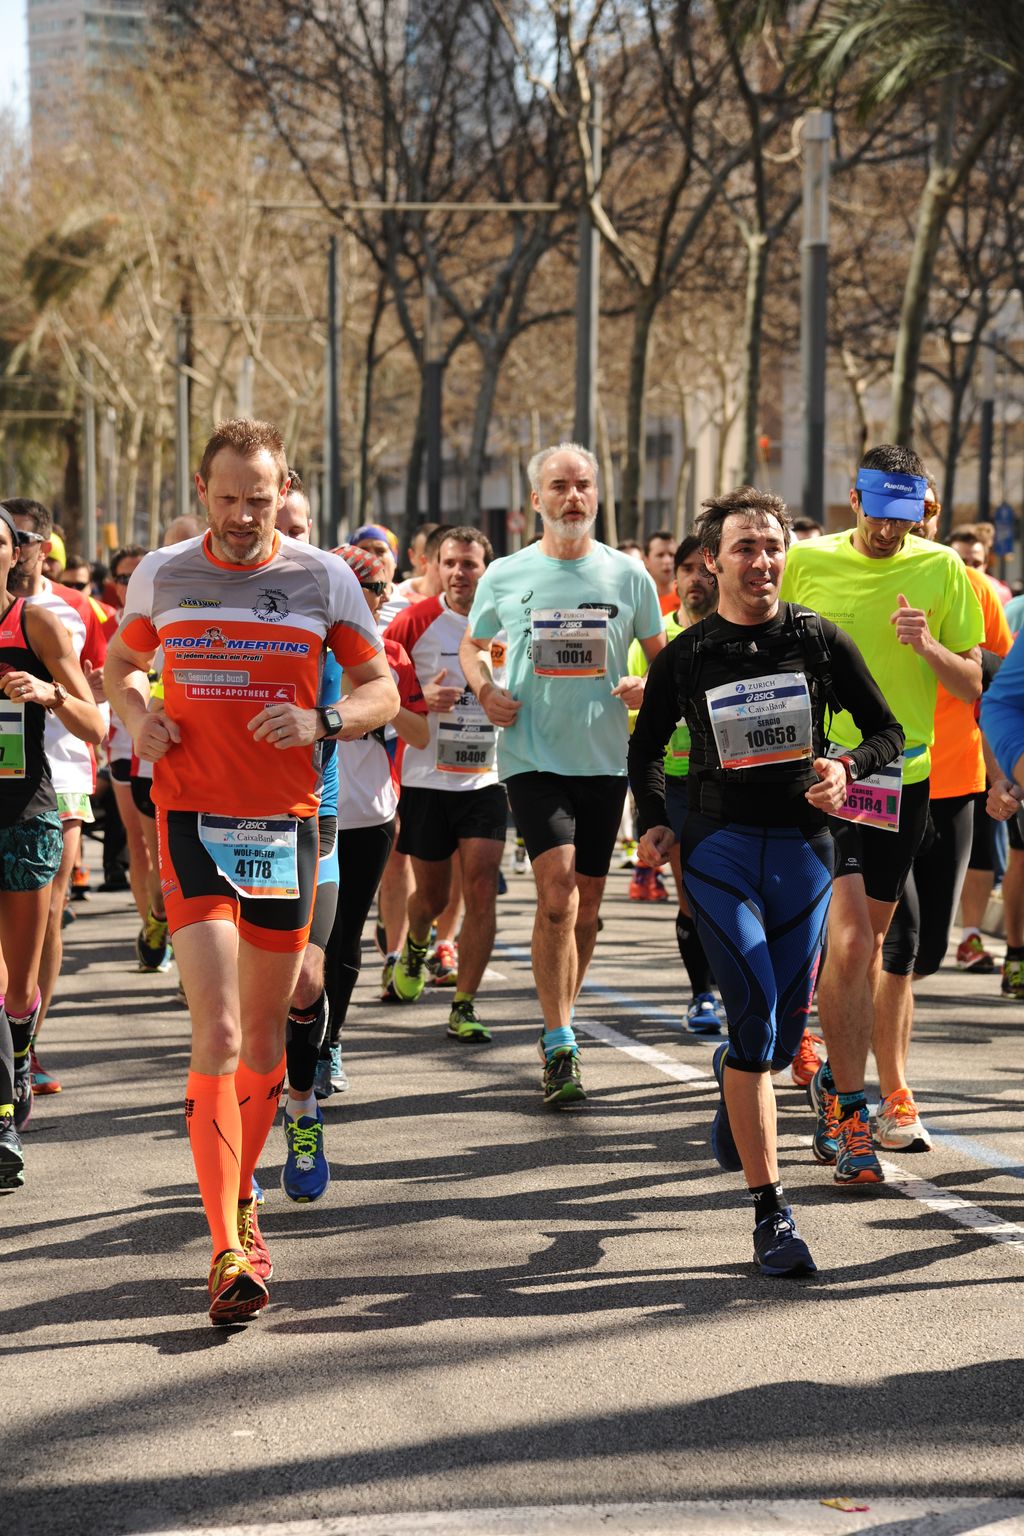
557, 1040
826, 1079
851, 1103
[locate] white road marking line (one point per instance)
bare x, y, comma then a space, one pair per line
955, 1207
645, 1053
701, 1517
958, 1210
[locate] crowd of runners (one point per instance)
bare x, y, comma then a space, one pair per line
294, 744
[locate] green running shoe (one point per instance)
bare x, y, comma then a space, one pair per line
410, 973
562, 1084
463, 1023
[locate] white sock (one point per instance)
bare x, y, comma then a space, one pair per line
298, 1107
968, 933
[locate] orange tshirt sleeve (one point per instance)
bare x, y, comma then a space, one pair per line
139, 635
349, 646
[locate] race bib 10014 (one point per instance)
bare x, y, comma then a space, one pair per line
569, 642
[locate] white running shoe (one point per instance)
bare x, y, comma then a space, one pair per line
898, 1127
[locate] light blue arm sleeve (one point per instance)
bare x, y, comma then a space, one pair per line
1002, 710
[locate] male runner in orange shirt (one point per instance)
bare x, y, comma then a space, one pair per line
243, 617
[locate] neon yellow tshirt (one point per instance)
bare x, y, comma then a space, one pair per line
677, 753
861, 595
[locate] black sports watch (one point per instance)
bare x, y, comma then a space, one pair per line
331, 721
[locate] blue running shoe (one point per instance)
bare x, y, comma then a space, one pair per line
824, 1144
778, 1247
306, 1172
702, 1016
722, 1145
856, 1162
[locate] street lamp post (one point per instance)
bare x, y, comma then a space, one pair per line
330, 505
817, 138
587, 297
89, 519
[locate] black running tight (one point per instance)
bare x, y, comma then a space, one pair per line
362, 855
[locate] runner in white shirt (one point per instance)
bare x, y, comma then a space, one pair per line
451, 798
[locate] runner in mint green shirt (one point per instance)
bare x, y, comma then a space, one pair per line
571, 607
908, 605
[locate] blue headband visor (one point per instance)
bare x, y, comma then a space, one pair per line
886, 494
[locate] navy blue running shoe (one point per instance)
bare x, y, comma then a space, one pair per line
722, 1145
778, 1247
306, 1172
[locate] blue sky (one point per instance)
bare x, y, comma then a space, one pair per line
13, 57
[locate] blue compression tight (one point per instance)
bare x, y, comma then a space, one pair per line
760, 896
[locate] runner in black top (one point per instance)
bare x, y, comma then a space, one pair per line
755, 683
38, 672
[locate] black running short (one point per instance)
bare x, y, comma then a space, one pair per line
142, 796
883, 858
195, 891
1015, 831
553, 810
433, 822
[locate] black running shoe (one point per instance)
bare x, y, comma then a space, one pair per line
779, 1249
12, 1158
22, 1089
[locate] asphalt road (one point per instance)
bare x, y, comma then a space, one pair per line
547, 1320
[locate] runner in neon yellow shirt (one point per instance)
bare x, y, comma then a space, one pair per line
908, 605
697, 591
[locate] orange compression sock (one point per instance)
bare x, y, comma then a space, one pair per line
215, 1133
258, 1096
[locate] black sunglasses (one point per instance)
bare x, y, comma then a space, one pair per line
121, 581
76, 586
379, 587
31, 538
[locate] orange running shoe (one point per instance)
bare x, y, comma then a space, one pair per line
251, 1238
236, 1291
807, 1059
640, 884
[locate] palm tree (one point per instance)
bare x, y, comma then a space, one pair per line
898, 48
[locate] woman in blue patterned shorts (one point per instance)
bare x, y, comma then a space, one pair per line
38, 672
